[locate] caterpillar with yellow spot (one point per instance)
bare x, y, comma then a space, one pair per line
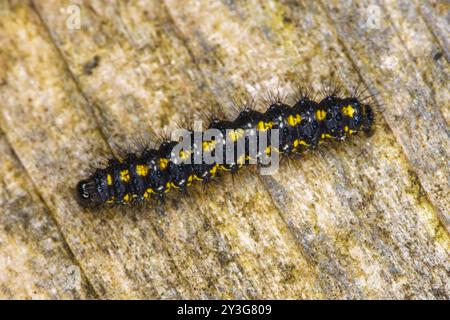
298, 127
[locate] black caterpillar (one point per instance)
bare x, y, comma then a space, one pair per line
153, 172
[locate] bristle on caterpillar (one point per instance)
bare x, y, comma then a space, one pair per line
154, 171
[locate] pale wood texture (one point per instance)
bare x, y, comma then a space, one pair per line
365, 219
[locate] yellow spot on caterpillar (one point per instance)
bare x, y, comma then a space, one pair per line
326, 135
167, 187
142, 170
163, 163
208, 145
296, 143
127, 197
224, 168
348, 111
263, 126
321, 115
294, 120
111, 200
109, 179
171, 184
124, 175
148, 192
236, 134
185, 154
214, 170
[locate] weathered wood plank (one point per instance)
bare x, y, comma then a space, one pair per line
435, 14
34, 259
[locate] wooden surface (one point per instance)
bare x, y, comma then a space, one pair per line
366, 219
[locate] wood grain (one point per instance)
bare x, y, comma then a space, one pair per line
365, 219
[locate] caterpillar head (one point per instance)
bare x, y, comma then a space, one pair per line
88, 194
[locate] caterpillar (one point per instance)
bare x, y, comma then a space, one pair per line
154, 172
